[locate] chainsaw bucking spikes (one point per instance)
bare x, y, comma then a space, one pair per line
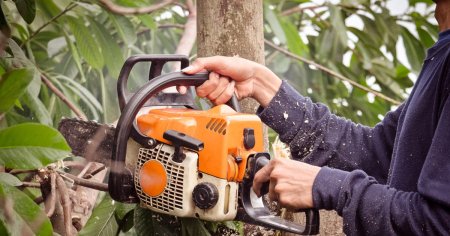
176, 159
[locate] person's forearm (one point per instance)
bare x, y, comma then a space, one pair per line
370, 208
318, 137
266, 85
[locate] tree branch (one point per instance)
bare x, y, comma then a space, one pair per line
52, 198
121, 10
299, 9
332, 73
63, 98
66, 204
31, 185
189, 36
85, 182
68, 8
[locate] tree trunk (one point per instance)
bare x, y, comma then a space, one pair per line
231, 28
235, 28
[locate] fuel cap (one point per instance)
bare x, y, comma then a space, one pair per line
205, 195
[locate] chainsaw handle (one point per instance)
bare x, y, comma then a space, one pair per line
262, 215
157, 63
121, 179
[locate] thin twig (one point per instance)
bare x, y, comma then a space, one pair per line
332, 73
20, 171
39, 200
68, 8
31, 185
85, 169
165, 26
66, 204
52, 199
299, 9
121, 10
63, 98
85, 182
94, 172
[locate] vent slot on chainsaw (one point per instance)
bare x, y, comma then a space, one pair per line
217, 125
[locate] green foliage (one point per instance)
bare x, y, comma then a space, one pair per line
31, 146
19, 214
12, 85
365, 52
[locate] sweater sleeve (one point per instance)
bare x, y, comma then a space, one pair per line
319, 137
371, 208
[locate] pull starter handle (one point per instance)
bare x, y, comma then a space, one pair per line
261, 215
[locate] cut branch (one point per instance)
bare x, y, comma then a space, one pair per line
121, 10
85, 182
52, 198
63, 98
66, 204
332, 73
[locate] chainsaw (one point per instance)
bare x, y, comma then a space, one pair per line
174, 158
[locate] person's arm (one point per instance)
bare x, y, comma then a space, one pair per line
318, 137
368, 207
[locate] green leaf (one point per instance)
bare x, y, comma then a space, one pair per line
13, 84
124, 28
111, 50
86, 43
275, 25
31, 146
147, 222
102, 220
27, 9
193, 227
295, 44
20, 215
414, 50
38, 108
9, 179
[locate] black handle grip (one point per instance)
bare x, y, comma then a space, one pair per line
157, 63
262, 215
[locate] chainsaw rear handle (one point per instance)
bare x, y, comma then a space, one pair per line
121, 185
157, 63
262, 215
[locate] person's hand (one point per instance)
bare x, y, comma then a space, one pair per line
234, 75
291, 182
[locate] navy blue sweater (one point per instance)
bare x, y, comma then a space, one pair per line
391, 179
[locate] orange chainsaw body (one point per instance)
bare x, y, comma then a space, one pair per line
221, 129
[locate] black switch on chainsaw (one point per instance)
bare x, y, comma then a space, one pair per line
249, 138
180, 140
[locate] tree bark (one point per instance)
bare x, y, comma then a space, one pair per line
231, 28
235, 28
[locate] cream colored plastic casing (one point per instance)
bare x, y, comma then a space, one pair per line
176, 199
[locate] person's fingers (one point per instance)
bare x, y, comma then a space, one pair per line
273, 196
226, 95
208, 86
182, 89
214, 63
262, 176
220, 88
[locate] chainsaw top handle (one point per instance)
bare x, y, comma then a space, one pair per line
121, 179
157, 63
